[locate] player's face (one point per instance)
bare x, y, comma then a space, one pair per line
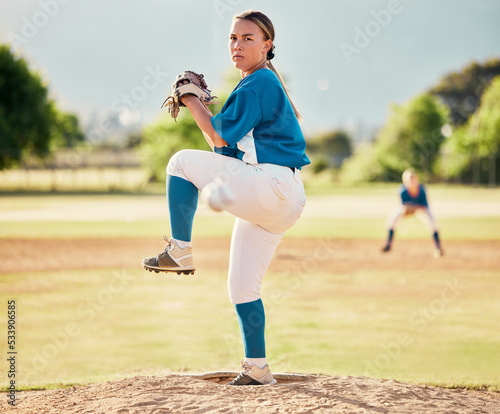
247, 46
411, 181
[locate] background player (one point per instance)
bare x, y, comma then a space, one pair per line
253, 172
413, 200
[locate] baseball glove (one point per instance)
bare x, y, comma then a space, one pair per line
187, 83
410, 208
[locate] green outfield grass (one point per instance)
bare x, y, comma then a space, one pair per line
84, 326
221, 226
77, 327
469, 227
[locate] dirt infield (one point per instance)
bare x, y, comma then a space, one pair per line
318, 394
172, 393
22, 255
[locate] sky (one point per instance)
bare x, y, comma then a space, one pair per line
345, 61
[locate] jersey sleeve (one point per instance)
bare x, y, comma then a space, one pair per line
423, 197
241, 113
403, 194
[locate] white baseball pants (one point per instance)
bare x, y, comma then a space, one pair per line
267, 199
402, 210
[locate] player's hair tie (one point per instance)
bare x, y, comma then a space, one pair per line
270, 53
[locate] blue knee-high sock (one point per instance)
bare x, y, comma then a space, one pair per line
252, 320
436, 239
182, 202
390, 237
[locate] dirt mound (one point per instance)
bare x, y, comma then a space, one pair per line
312, 394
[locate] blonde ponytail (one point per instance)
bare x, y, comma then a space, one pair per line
285, 88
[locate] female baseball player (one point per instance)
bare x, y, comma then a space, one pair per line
413, 199
253, 173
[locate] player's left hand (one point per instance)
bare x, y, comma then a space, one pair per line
187, 83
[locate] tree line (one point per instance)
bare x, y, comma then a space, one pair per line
31, 125
443, 133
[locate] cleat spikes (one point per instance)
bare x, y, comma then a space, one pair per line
173, 259
179, 272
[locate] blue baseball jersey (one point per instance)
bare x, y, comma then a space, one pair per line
419, 200
259, 124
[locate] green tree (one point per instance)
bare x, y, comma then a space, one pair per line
364, 167
461, 91
66, 131
164, 138
329, 149
484, 125
474, 148
30, 123
26, 113
411, 138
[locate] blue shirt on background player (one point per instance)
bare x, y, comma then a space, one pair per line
259, 124
413, 200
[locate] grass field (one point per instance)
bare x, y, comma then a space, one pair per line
434, 326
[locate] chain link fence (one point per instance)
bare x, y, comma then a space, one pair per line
102, 170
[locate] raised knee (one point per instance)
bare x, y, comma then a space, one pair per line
174, 166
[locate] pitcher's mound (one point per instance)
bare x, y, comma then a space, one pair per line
181, 394
223, 377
